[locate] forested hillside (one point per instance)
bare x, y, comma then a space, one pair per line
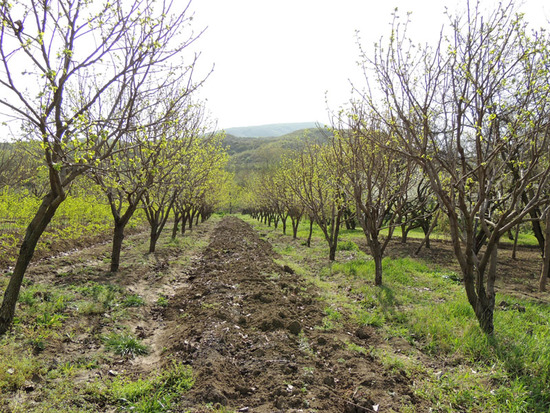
248, 155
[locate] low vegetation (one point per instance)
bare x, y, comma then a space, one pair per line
79, 326
429, 331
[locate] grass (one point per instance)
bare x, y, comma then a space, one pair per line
154, 394
133, 300
56, 316
426, 306
124, 344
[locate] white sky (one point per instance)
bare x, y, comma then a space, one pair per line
275, 60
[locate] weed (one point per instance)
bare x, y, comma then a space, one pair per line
211, 306
133, 300
333, 314
327, 325
125, 345
102, 295
27, 297
347, 246
304, 344
38, 343
48, 319
156, 394
16, 366
356, 348
162, 301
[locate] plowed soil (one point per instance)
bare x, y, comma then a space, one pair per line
250, 330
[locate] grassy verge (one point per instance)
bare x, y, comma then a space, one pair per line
428, 329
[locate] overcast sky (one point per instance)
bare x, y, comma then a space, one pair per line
276, 61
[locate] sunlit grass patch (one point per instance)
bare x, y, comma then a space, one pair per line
358, 268
16, 366
159, 393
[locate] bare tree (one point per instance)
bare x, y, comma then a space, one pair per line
462, 111
545, 271
376, 178
66, 67
142, 155
316, 182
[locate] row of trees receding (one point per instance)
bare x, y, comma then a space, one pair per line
460, 128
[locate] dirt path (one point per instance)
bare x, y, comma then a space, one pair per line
251, 331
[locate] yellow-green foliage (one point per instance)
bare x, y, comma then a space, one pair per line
79, 216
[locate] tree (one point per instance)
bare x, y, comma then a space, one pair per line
418, 208
142, 157
376, 178
290, 204
195, 164
316, 182
463, 111
74, 55
200, 175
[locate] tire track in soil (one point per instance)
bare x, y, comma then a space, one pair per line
247, 328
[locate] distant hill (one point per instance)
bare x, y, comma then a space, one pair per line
269, 131
248, 155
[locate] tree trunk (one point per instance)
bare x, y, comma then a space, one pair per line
295, 223
484, 316
177, 219
487, 298
310, 232
377, 269
480, 296
191, 218
184, 218
118, 237
332, 250
283, 220
516, 236
42, 218
118, 233
404, 233
333, 236
545, 273
154, 236
427, 234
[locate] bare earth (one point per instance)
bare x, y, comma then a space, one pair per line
247, 327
